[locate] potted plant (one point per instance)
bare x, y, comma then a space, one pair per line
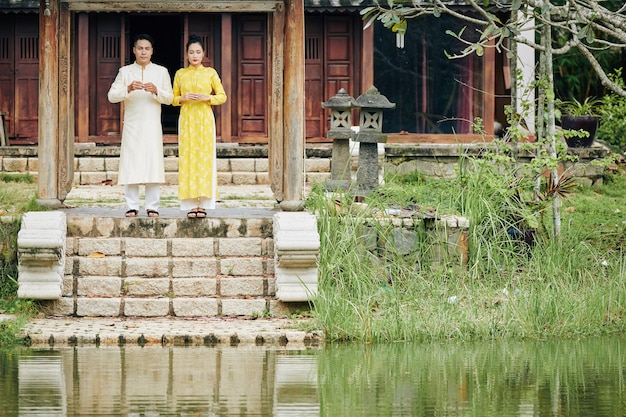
579, 116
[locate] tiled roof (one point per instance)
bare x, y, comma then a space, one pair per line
311, 5
19, 5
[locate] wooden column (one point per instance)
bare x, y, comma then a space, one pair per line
293, 108
276, 129
83, 76
56, 106
226, 71
489, 88
65, 137
48, 152
367, 60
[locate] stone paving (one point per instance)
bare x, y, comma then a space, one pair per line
164, 331
112, 196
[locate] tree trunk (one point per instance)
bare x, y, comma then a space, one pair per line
546, 40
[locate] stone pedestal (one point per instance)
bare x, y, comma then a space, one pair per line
296, 252
41, 255
340, 170
367, 173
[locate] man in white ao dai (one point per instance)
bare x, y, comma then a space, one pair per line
143, 87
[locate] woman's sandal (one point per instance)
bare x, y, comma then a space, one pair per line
200, 212
152, 213
192, 214
132, 213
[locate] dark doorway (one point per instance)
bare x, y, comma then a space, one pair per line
168, 51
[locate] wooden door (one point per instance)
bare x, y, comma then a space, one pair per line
314, 76
19, 76
105, 63
329, 66
7, 70
250, 98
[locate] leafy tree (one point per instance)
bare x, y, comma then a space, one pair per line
560, 26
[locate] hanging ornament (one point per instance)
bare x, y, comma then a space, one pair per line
400, 29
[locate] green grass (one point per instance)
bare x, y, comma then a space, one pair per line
570, 286
18, 195
567, 286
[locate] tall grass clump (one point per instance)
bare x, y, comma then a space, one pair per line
18, 195
519, 281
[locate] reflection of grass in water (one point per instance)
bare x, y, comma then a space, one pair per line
496, 375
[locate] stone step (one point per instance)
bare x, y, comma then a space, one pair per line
222, 265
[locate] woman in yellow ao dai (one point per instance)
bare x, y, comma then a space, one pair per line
196, 89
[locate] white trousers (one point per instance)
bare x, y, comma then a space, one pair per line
153, 196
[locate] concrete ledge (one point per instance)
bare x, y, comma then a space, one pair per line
168, 332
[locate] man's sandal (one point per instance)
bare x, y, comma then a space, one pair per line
132, 213
152, 213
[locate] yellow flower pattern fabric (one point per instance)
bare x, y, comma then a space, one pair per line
197, 173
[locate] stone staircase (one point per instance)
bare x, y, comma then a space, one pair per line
222, 265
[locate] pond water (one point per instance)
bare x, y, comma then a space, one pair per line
561, 378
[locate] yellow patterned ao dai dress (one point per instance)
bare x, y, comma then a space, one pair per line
197, 171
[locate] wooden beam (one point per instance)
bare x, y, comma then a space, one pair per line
222, 6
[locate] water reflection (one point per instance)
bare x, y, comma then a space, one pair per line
41, 386
565, 378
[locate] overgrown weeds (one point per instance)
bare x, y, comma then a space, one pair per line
568, 286
18, 195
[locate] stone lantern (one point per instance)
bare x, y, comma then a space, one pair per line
340, 132
370, 134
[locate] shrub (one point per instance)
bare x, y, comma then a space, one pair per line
612, 112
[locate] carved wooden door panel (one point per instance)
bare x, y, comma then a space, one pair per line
314, 76
250, 116
7, 70
329, 66
338, 56
106, 61
19, 76
27, 80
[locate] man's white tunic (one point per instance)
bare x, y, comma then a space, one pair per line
141, 153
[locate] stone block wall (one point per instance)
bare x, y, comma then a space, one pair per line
168, 267
95, 165
249, 164
441, 160
436, 241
